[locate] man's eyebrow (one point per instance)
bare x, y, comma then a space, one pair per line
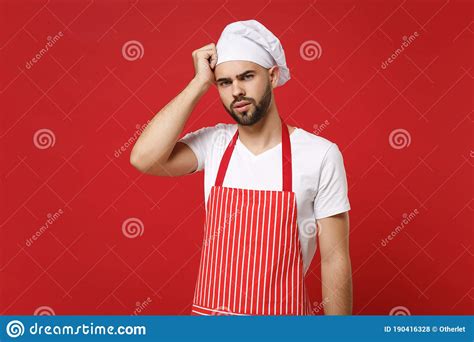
237, 76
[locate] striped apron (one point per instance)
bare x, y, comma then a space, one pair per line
251, 261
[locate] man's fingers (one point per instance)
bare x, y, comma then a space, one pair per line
209, 45
207, 53
213, 60
205, 59
210, 55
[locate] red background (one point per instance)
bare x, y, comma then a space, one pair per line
92, 99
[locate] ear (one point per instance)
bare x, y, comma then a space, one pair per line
274, 73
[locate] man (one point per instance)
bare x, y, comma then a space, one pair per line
267, 185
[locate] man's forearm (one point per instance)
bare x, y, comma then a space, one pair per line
160, 136
337, 286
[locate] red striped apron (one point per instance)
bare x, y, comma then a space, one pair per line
251, 261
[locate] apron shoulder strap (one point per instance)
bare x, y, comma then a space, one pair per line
286, 158
226, 159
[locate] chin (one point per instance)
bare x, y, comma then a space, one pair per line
246, 120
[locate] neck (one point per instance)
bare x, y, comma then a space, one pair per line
265, 133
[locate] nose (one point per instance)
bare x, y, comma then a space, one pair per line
237, 90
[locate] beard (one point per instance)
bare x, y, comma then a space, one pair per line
248, 117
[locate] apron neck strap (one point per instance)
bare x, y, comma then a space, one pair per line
286, 158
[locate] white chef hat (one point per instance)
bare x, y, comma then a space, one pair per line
250, 41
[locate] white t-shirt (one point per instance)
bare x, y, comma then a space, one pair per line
318, 174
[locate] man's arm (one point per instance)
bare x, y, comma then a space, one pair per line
157, 152
336, 270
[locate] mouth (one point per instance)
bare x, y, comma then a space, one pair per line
242, 106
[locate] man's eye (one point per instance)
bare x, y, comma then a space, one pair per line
248, 76
224, 83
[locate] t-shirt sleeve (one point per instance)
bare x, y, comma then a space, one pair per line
199, 141
331, 197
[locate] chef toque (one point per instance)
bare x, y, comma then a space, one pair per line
250, 41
